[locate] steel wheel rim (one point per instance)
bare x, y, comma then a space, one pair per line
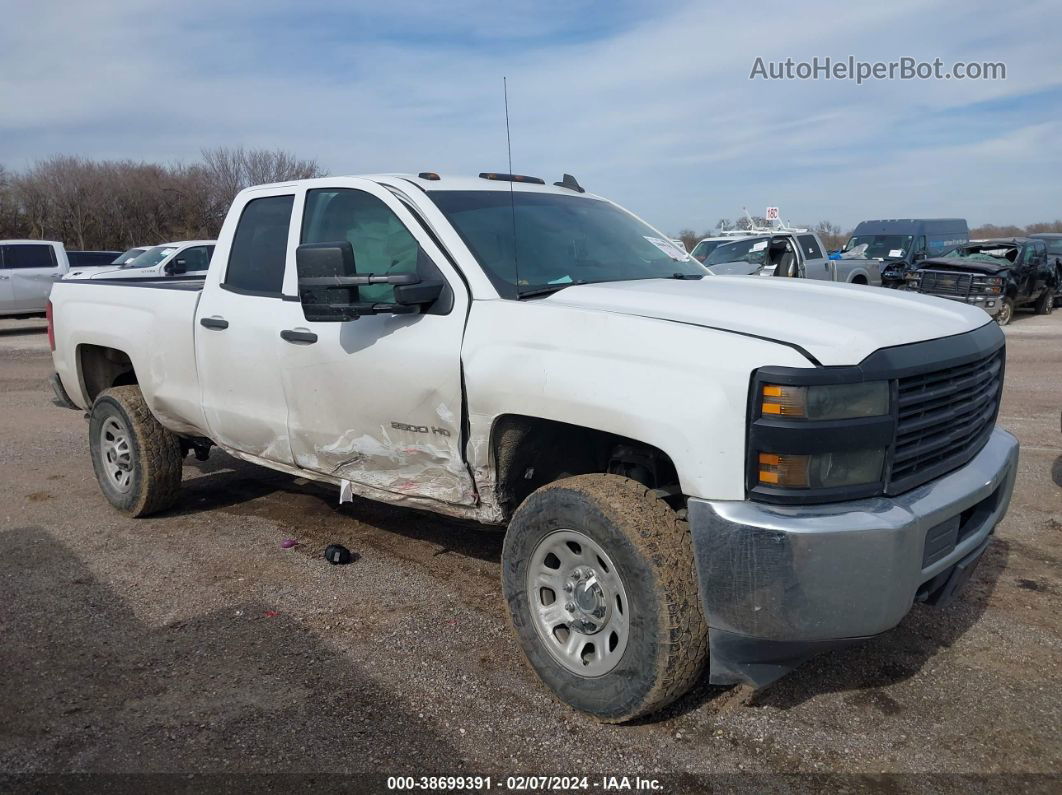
1004, 314
578, 603
116, 454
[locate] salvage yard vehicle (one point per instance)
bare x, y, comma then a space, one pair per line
82, 268
791, 255
1053, 241
169, 259
996, 275
90, 259
27, 270
691, 470
900, 244
707, 245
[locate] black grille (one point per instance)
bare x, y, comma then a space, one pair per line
945, 283
944, 418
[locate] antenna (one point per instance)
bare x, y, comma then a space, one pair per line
512, 197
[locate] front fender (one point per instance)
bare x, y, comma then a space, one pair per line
679, 387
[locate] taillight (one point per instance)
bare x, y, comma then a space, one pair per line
51, 325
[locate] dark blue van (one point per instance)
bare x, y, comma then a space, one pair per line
902, 242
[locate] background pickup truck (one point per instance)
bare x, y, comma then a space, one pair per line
996, 275
685, 476
791, 254
185, 257
28, 268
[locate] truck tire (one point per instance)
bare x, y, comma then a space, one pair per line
1046, 302
1006, 312
598, 575
137, 462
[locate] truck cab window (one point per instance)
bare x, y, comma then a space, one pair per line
382, 244
259, 248
28, 256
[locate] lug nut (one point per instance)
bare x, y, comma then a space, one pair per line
570, 606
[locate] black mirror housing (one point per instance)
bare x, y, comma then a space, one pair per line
329, 285
324, 259
420, 294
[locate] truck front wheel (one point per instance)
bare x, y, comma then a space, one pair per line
137, 461
1006, 312
599, 578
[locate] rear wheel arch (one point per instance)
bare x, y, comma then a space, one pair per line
101, 367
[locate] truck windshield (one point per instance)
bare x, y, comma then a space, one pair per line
704, 248
128, 256
751, 250
153, 256
553, 241
881, 246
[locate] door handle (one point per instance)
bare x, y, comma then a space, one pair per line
305, 337
218, 323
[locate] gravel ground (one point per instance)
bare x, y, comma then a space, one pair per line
192, 643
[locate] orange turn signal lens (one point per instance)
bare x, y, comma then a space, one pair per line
784, 470
784, 401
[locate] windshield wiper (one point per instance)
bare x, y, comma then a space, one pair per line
690, 276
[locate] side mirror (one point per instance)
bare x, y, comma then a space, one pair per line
329, 285
178, 266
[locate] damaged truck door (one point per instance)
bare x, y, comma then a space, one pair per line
370, 354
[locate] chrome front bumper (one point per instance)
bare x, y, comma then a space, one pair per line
779, 583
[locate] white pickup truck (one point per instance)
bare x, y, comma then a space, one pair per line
692, 469
182, 259
28, 268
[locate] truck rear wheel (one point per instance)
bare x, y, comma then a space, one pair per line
599, 578
137, 462
1045, 304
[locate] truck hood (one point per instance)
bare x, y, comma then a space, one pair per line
836, 324
963, 264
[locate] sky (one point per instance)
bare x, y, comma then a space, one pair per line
648, 103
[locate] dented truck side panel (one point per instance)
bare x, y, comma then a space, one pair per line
660, 383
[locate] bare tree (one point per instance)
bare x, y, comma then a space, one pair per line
230, 170
118, 204
830, 235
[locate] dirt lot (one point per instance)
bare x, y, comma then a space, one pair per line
192, 642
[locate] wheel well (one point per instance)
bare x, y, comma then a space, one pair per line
530, 452
859, 279
101, 368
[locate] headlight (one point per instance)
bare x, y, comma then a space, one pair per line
821, 470
818, 434
826, 402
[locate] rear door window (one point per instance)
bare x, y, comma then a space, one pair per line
810, 247
28, 256
259, 248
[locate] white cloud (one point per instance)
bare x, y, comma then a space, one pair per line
657, 112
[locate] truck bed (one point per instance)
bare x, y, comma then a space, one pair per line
152, 321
